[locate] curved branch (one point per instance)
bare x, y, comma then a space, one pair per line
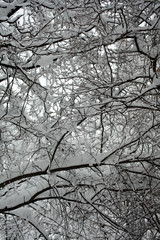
32, 223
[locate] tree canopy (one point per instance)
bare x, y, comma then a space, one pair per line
80, 119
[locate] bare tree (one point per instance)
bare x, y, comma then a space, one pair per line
79, 119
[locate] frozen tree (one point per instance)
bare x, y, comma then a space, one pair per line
80, 119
